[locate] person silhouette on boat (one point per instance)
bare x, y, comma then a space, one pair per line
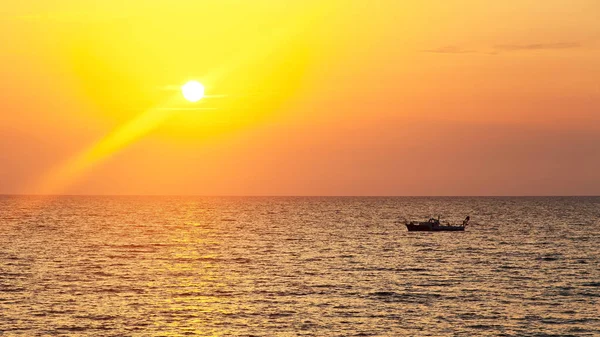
466, 220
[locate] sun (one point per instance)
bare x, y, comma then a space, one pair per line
193, 91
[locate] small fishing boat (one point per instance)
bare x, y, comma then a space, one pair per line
434, 225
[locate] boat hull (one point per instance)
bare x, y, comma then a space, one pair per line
433, 228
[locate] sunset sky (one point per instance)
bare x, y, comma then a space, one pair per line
347, 97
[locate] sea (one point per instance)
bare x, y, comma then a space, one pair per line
298, 266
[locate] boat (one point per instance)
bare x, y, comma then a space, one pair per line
434, 225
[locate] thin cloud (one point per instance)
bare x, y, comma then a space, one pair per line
449, 50
505, 48
538, 46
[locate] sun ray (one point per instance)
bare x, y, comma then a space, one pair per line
121, 137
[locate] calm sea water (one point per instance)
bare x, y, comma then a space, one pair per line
195, 266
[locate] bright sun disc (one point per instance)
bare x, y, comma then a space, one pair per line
193, 91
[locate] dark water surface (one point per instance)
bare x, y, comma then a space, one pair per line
195, 266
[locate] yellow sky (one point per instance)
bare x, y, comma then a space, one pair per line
303, 97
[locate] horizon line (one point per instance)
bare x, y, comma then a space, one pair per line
298, 196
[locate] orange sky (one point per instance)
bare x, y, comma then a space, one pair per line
304, 97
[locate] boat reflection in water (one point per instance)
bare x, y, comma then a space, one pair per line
434, 225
